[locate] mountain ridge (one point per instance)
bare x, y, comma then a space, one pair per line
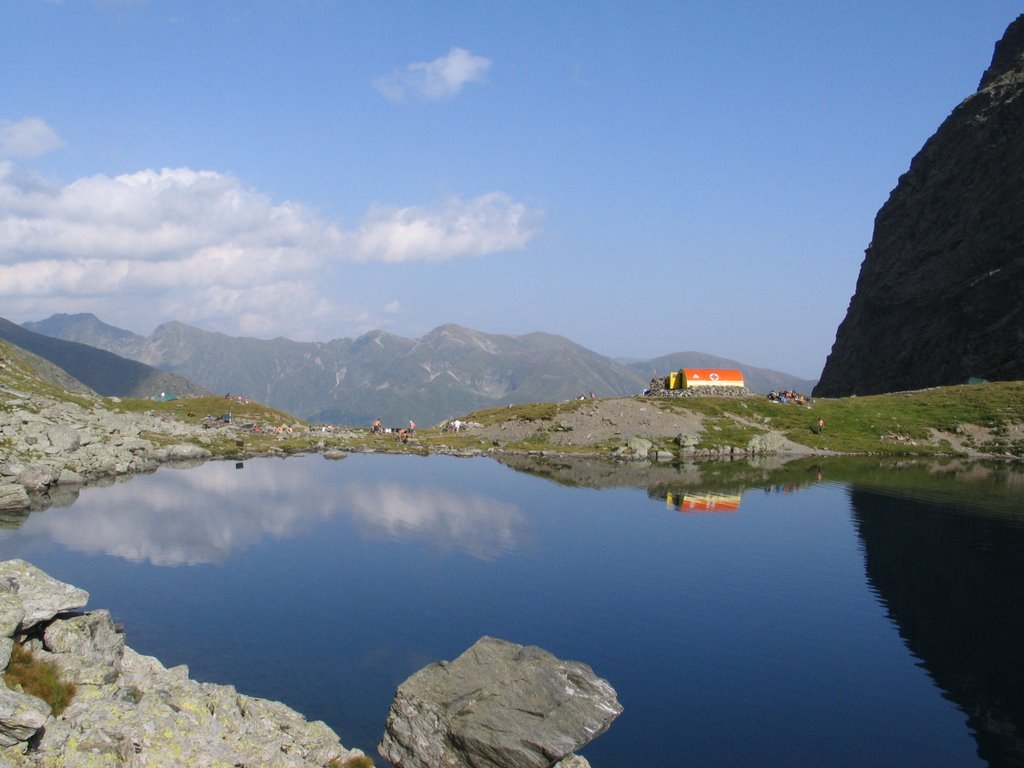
448, 371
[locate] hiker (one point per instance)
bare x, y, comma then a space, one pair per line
821, 426
412, 427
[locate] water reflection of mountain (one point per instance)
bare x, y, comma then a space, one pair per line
954, 585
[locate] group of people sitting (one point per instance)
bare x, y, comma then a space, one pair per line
789, 396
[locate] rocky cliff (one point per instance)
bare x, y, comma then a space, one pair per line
938, 299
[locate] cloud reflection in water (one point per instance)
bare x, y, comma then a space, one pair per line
186, 518
207, 514
476, 525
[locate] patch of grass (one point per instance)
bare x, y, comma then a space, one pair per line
39, 678
196, 409
458, 440
894, 424
726, 431
526, 412
24, 372
537, 441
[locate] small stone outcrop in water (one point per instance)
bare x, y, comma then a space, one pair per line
498, 705
938, 299
129, 710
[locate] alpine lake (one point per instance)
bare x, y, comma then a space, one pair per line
853, 612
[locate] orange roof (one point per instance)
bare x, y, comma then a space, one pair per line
708, 376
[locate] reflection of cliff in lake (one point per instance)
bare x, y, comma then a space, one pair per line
954, 584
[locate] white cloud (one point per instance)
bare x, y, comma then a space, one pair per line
486, 224
435, 80
193, 517
200, 247
150, 215
27, 138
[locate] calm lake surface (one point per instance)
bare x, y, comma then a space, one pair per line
832, 614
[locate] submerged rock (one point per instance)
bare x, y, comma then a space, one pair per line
13, 497
498, 705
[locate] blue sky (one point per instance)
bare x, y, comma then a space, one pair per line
642, 178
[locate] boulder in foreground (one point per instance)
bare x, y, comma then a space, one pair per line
498, 705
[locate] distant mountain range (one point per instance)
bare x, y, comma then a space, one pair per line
98, 369
448, 372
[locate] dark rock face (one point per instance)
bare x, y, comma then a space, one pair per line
498, 705
940, 296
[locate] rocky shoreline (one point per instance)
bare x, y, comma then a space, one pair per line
128, 709
52, 447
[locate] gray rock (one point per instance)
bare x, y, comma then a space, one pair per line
498, 705
13, 497
687, 441
572, 761
11, 613
41, 596
87, 648
6, 649
36, 477
766, 443
103, 460
21, 715
155, 717
69, 477
639, 447
61, 440
181, 452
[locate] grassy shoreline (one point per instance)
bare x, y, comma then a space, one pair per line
980, 420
